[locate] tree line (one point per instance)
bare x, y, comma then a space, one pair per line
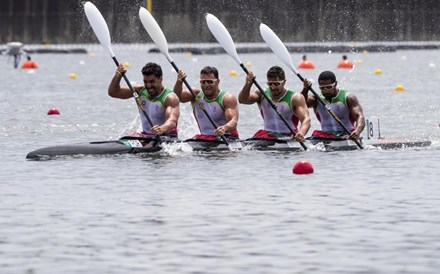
183, 21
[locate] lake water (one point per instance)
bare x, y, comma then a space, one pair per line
369, 211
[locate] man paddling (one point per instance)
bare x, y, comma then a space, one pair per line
221, 106
345, 105
289, 104
159, 103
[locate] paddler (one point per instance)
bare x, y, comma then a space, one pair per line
345, 105
221, 106
159, 102
289, 104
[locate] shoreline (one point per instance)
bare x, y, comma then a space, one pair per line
215, 48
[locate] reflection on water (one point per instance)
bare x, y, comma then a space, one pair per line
178, 211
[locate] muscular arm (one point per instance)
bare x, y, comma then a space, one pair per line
246, 96
231, 113
183, 95
115, 90
302, 112
356, 114
172, 113
310, 100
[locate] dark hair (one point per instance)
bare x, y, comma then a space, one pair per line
152, 69
344, 57
327, 75
209, 70
276, 71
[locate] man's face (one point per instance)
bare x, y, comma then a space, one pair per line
153, 84
276, 85
209, 84
327, 87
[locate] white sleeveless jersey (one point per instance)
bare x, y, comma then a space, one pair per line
339, 106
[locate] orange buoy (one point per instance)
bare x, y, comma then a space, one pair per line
29, 64
302, 168
345, 63
53, 111
306, 64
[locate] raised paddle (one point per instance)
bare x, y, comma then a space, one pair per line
100, 28
224, 38
156, 34
280, 50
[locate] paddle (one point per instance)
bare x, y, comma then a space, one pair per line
280, 50
224, 38
100, 28
156, 34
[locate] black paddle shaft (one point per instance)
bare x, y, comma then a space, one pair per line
327, 107
199, 103
272, 104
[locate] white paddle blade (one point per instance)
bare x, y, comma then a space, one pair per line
222, 35
99, 26
155, 32
277, 46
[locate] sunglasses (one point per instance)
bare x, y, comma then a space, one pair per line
275, 83
327, 86
208, 82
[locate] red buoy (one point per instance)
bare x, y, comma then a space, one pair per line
306, 65
345, 63
302, 167
29, 64
53, 111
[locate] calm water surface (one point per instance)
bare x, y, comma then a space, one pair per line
368, 211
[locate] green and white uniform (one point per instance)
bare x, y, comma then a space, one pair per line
338, 105
155, 108
216, 111
272, 121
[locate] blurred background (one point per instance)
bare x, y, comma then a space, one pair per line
54, 21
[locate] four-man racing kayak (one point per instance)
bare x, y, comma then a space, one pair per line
136, 145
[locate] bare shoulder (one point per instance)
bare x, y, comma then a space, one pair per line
172, 99
229, 99
352, 100
298, 99
229, 96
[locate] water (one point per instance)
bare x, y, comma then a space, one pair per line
368, 211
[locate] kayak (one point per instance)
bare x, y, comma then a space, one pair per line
332, 144
137, 145
249, 144
121, 146
395, 144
